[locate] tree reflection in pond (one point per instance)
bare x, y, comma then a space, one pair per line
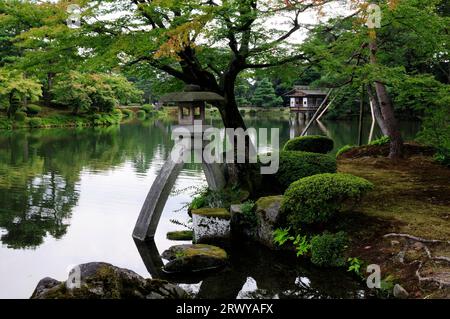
40, 171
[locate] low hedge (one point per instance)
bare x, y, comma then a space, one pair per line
20, 116
141, 114
33, 109
127, 113
35, 122
314, 144
296, 165
317, 198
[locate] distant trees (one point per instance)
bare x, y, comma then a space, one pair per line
264, 95
15, 89
93, 92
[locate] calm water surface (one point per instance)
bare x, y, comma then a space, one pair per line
70, 196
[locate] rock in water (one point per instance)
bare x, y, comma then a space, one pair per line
180, 235
194, 258
104, 281
211, 225
400, 292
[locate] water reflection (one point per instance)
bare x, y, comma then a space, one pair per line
40, 171
255, 272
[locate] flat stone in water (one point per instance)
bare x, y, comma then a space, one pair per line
194, 258
180, 235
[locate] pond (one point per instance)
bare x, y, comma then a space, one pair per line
71, 196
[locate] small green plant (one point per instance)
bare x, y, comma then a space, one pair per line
248, 212
302, 245
281, 236
344, 149
381, 141
313, 144
327, 250
148, 108
354, 265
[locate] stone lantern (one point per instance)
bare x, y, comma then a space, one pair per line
191, 103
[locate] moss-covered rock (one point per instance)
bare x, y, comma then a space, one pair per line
221, 213
194, 258
267, 216
105, 281
180, 235
211, 225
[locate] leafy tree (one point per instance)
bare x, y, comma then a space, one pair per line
412, 37
15, 88
93, 92
264, 95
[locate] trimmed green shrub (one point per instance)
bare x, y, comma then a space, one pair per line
33, 109
317, 198
35, 122
327, 250
314, 144
344, 149
117, 112
127, 113
252, 112
141, 114
381, 141
148, 108
20, 116
295, 165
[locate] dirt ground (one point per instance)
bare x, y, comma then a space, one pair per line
411, 199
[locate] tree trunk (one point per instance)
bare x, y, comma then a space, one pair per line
387, 111
376, 110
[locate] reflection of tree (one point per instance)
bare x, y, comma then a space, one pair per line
39, 207
40, 169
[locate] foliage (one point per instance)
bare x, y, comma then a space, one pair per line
344, 149
327, 250
33, 109
20, 116
435, 129
312, 143
354, 265
127, 113
282, 236
295, 165
317, 198
35, 122
381, 141
92, 92
302, 245
141, 114
264, 95
148, 108
15, 87
248, 212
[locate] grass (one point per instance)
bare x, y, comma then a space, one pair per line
411, 196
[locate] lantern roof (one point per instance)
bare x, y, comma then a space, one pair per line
192, 93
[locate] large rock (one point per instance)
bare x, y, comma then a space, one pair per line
104, 281
194, 258
211, 225
267, 216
